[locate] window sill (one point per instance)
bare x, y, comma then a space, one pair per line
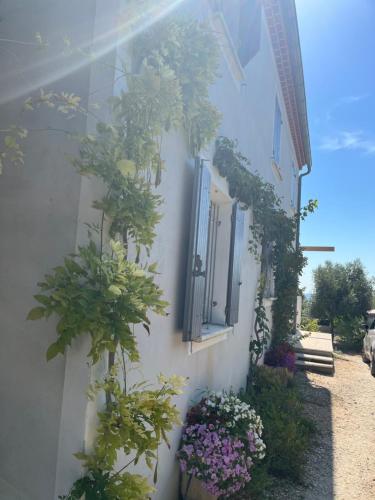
211, 335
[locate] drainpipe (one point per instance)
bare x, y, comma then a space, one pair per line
298, 230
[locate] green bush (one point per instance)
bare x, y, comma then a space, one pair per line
287, 433
350, 333
310, 325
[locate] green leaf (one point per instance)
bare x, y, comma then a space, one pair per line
80, 455
42, 299
156, 473
152, 268
10, 142
127, 167
53, 350
72, 266
36, 313
114, 290
146, 327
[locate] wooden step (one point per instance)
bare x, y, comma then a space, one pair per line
314, 352
313, 357
313, 366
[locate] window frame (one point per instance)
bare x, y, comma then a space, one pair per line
248, 22
199, 324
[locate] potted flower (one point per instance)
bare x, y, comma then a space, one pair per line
220, 443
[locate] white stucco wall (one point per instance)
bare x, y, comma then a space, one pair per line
248, 114
42, 415
46, 418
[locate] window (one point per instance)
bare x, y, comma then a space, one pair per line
277, 134
243, 21
214, 259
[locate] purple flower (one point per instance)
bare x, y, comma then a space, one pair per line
214, 448
251, 439
183, 465
188, 448
216, 458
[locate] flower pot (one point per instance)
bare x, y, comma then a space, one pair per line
192, 489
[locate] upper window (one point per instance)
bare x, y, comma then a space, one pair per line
277, 134
243, 20
214, 259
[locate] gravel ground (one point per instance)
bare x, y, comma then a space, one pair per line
341, 463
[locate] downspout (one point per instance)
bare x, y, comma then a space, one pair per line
298, 231
299, 204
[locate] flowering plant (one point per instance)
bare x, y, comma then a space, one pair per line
220, 442
283, 355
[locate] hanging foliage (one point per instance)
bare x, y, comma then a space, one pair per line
261, 328
271, 226
188, 50
102, 293
135, 422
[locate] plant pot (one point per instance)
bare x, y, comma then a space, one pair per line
192, 489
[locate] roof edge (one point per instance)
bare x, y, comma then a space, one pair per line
282, 22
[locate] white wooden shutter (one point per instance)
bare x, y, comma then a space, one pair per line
234, 276
197, 253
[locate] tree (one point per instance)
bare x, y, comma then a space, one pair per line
341, 291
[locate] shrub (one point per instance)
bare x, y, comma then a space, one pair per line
261, 481
283, 356
350, 333
220, 443
287, 432
310, 325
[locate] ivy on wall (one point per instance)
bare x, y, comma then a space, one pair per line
100, 292
271, 225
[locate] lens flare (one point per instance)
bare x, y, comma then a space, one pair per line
48, 66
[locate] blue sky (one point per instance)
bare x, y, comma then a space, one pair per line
338, 47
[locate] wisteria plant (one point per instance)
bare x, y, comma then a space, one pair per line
221, 441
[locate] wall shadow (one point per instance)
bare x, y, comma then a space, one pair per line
319, 470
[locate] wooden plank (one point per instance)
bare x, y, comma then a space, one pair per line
317, 249
311, 366
317, 343
304, 356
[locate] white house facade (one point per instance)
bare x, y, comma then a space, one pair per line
207, 274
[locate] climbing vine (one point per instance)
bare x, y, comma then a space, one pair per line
261, 328
272, 226
100, 291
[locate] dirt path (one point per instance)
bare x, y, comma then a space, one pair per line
341, 464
